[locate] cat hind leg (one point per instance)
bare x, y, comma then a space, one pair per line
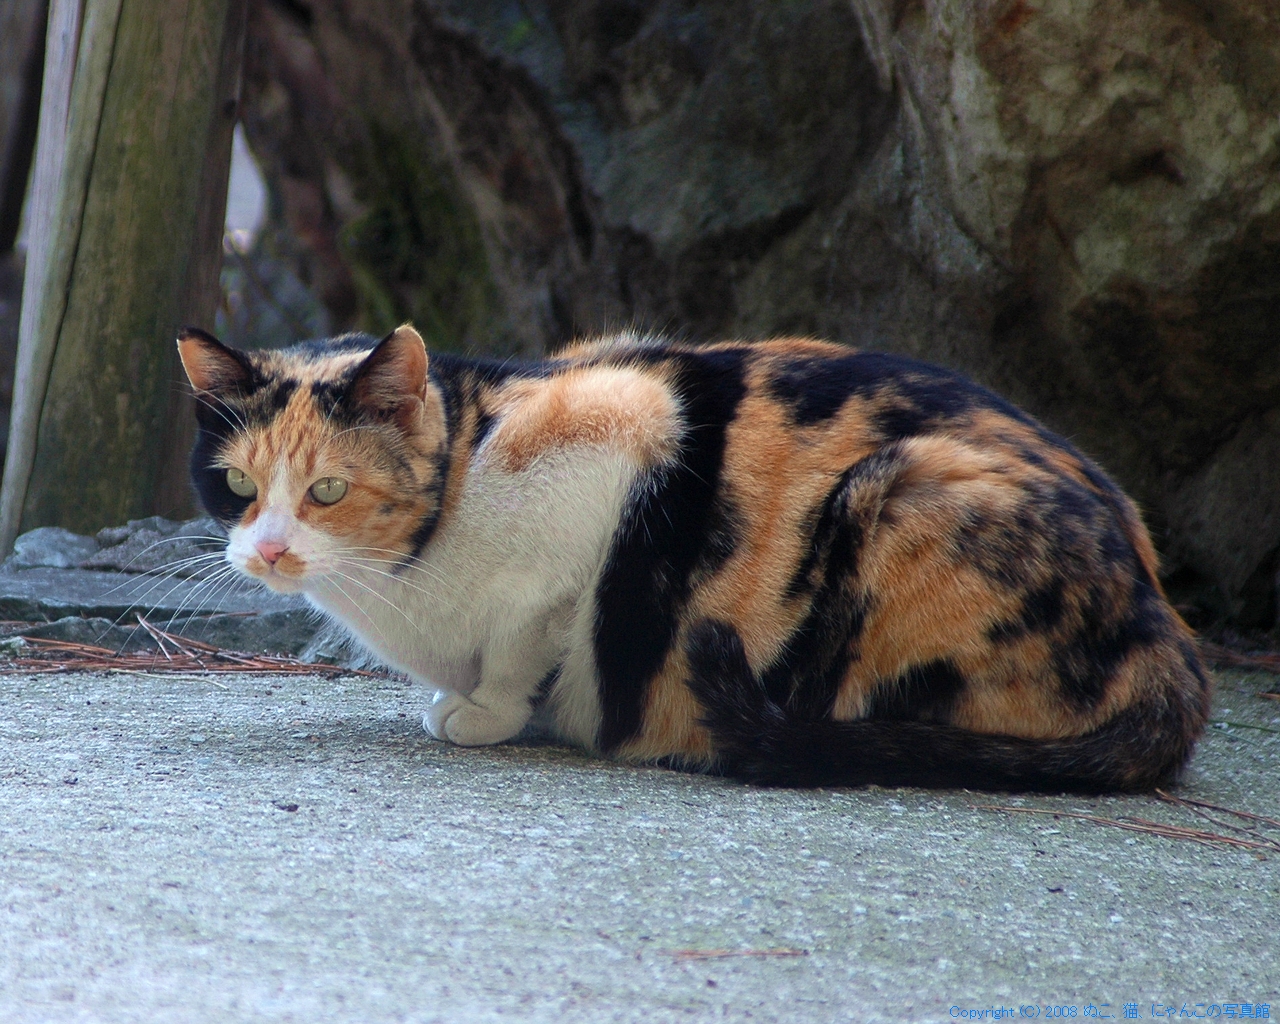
755, 740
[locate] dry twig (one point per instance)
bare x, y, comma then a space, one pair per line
1155, 828
725, 954
1267, 661
177, 655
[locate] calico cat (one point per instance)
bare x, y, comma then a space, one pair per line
788, 561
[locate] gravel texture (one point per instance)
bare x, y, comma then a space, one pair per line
289, 849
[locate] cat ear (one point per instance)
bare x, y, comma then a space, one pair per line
394, 373
211, 365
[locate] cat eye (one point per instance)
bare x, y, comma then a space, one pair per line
240, 483
328, 490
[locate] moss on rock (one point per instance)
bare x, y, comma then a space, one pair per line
417, 252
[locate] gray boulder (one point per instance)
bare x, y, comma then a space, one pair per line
50, 547
160, 546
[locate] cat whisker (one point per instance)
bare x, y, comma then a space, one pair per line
165, 573
175, 570
381, 597
156, 581
178, 564
222, 409
370, 622
360, 564
228, 581
205, 596
369, 618
416, 563
151, 611
203, 588
349, 430
160, 573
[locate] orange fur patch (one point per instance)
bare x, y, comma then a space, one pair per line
671, 721
622, 409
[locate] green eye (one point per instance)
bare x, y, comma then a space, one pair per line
240, 484
328, 490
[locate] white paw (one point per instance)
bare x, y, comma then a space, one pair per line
454, 718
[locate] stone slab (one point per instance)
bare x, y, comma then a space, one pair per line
47, 594
58, 585
155, 546
290, 632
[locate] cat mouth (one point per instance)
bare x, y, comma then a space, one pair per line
286, 576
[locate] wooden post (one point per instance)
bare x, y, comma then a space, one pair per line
41, 312
127, 212
22, 36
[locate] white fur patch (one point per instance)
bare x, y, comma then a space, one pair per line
499, 598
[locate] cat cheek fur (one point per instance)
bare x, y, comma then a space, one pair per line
789, 561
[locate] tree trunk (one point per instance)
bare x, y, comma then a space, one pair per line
126, 247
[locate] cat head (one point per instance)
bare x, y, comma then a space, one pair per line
320, 458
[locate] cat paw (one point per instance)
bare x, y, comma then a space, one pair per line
456, 719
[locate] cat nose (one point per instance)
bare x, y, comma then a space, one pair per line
271, 550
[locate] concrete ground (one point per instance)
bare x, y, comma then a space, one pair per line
257, 848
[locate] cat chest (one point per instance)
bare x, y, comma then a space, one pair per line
515, 549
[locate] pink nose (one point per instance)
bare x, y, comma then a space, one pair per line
271, 550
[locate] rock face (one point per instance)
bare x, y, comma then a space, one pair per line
1075, 201
1118, 162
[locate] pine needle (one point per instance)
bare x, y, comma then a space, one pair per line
177, 656
725, 954
1190, 804
1266, 661
1155, 828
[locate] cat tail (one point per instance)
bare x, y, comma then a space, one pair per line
756, 741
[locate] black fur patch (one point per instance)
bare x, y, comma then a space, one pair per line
733, 698
1087, 659
922, 693
816, 389
1043, 608
913, 397
426, 529
209, 480
723, 534
280, 395
488, 371
661, 542
806, 676
1002, 548
333, 398
484, 425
